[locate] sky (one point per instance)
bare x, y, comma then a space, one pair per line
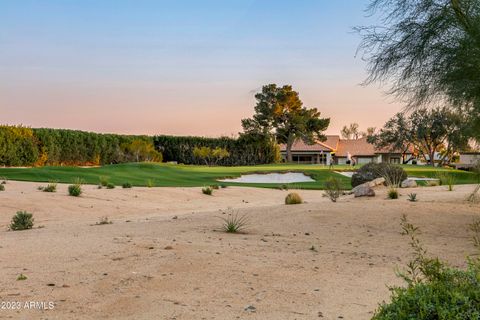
183, 67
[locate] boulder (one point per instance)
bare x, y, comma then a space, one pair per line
375, 182
408, 183
363, 190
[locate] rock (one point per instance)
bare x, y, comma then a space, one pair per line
250, 308
376, 182
409, 183
363, 190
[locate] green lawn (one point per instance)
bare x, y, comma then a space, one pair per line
169, 175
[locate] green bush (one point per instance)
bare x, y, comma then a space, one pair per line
293, 198
110, 185
51, 187
333, 188
22, 221
207, 190
393, 174
103, 181
75, 190
392, 193
2, 187
446, 179
412, 197
126, 185
150, 183
434, 291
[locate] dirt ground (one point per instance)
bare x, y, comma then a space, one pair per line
165, 258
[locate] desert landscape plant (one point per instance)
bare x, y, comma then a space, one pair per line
393, 174
150, 183
234, 223
412, 197
333, 189
207, 190
21, 277
110, 185
75, 189
103, 181
392, 193
51, 187
293, 198
433, 289
446, 179
22, 220
2, 187
103, 220
126, 185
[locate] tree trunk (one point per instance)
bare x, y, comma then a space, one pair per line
289, 150
431, 155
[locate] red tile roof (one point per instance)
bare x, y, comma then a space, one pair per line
328, 145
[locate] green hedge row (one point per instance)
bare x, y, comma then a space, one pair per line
22, 146
246, 150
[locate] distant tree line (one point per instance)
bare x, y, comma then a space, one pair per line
248, 149
22, 146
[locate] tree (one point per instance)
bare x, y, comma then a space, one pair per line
279, 111
350, 132
209, 155
142, 150
428, 51
428, 131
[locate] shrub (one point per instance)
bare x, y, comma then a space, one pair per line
75, 190
333, 188
433, 289
393, 174
21, 277
22, 221
104, 220
234, 223
207, 190
446, 179
4, 180
215, 187
126, 185
150, 183
223, 186
412, 197
110, 185
103, 181
2, 187
433, 183
51, 187
392, 193
293, 198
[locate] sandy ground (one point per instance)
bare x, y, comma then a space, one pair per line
164, 257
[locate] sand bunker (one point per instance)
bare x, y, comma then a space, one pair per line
288, 177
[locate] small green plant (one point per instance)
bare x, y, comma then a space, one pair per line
75, 190
446, 179
22, 220
392, 193
110, 185
21, 277
283, 187
51, 187
312, 248
207, 190
127, 185
150, 183
2, 187
104, 220
234, 223
333, 189
103, 181
412, 197
4, 180
293, 198
223, 186
215, 187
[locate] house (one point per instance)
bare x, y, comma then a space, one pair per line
468, 160
341, 151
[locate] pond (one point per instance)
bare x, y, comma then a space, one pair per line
288, 177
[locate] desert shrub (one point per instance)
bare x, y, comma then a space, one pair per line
393, 174
110, 185
446, 179
207, 190
433, 289
75, 190
126, 185
51, 187
234, 223
433, 183
150, 183
21, 277
392, 193
22, 221
223, 186
333, 188
412, 197
293, 198
215, 187
2, 187
103, 181
104, 220
3, 180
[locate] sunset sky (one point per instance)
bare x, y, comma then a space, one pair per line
179, 67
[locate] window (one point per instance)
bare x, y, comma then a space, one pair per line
395, 160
